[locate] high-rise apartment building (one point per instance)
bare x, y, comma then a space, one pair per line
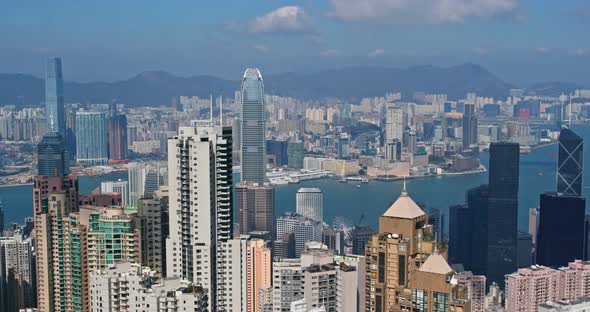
502, 212
561, 229
54, 97
394, 124
136, 176
112, 236
469, 126
529, 287
259, 273
287, 284
60, 246
91, 138
17, 280
253, 127
52, 157
570, 163
476, 288
153, 214
120, 187
133, 288
200, 204
255, 204
310, 203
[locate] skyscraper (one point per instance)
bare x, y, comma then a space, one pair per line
255, 204
117, 128
469, 126
259, 272
310, 203
201, 219
136, 176
394, 124
460, 231
154, 214
60, 246
570, 163
17, 281
560, 238
253, 128
404, 268
502, 210
54, 96
119, 186
91, 138
52, 155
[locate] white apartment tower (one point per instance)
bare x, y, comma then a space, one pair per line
394, 124
200, 205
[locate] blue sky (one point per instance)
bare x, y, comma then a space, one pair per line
522, 41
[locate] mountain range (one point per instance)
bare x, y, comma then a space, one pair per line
152, 88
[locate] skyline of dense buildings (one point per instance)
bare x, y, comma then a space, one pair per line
180, 229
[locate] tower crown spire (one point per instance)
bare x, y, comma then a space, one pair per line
404, 189
51, 123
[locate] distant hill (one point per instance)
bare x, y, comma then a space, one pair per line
152, 88
553, 88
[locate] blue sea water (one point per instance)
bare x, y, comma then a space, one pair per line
372, 199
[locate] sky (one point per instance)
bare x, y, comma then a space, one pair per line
521, 41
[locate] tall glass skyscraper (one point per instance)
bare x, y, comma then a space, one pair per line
502, 213
91, 138
51, 156
54, 96
253, 128
570, 163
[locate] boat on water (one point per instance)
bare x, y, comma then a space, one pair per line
343, 180
540, 173
365, 180
358, 186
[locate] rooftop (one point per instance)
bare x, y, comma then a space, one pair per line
436, 264
404, 207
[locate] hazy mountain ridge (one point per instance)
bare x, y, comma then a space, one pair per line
153, 88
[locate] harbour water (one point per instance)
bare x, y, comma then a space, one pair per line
537, 175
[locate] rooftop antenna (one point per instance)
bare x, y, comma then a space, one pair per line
211, 108
51, 123
221, 110
404, 190
570, 114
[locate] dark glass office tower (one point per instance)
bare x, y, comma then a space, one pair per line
278, 149
570, 163
1, 219
561, 229
117, 134
52, 157
469, 126
460, 234
54, 96
502, 210
477, 202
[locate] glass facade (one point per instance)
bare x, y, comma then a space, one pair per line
91, 138
51, 156
570, 163
253, 128
54, 97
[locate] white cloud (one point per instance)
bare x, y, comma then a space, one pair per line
419, 11
285, 19
542, 50
480, 51
580, 52
261, 48
331, 53
376, 53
